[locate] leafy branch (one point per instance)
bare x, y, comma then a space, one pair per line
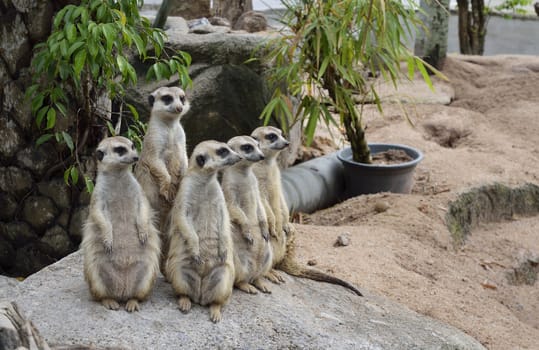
87, 56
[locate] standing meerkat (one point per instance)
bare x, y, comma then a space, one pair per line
200, 262
120, 242
253, 257
267, 172
163, 160
282, 233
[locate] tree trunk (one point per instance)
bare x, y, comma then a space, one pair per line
472, 27
431, 44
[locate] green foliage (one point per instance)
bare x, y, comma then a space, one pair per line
87, 53
516, 6
324, 56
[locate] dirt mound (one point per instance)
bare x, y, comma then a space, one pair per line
400, 244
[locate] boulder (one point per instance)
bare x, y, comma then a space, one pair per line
15, 180
31, 258
37, 159
251, 22
8, 205
18, 233
56, 242
298, 314
11, 136
7, 287
57, 190
39, 212
15, 46
227, 95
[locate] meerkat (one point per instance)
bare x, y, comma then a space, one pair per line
267, 172
120, 241
163, 159
282, 233
250, 234
200, 262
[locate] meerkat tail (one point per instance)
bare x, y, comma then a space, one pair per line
291, 267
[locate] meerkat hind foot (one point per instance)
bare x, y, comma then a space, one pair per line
258, 283
110, 304
184, 303
132, 305
215, 313
275, 277
246, 287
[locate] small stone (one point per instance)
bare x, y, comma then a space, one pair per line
381, 206
8, 205
312, 262
57, 190
343, 240
17, 233
251, 22
57, 242
39, 212
14, 180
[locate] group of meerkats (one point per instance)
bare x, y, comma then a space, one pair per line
173, 215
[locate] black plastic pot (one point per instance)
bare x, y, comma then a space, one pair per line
363, 178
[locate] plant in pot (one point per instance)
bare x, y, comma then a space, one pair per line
328, 51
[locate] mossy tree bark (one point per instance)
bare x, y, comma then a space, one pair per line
472, 26
431, 44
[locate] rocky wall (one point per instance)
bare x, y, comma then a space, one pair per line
39, 222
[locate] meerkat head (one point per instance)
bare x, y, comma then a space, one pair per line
247, 148
211, 156
169, 102
116, 153
270, 140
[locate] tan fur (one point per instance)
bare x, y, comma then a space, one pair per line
200, 259
253, 257
163, 160
267, 172
120, 242
282, 232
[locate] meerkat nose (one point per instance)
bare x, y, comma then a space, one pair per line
287, 143
179, 109
135, 159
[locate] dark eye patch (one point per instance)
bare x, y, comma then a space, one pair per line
100, 155
121, 150
201, 160
167, 99
182, 98
272, 137
247, 148
222, 152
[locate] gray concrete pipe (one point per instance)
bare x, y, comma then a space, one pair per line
314, 185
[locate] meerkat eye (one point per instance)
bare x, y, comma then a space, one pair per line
201, 160
272, 137
222, 152
133, 146
121, 150
247, 148
167, 99
182, 98
100, 155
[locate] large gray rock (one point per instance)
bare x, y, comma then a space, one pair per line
11, 137
14, 180
15, 46
39, 212
7, 287
300, 314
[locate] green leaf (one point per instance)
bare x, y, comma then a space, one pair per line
37, 102
111, 129
133, 110
68, 140
80, 59
74, 174
66, 175
71, 32
89, 184
43, 138
74, 47
51, 118
41, 114
122, 65
61, 108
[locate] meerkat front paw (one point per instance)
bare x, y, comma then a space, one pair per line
248, 238
222, 256
287, 229
166, 190
132, 305
107, 243
196, 259
265, 235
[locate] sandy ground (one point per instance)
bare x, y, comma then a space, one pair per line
489, 133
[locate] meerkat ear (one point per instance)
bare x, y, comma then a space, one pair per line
201, 160
100, 155
151, 100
